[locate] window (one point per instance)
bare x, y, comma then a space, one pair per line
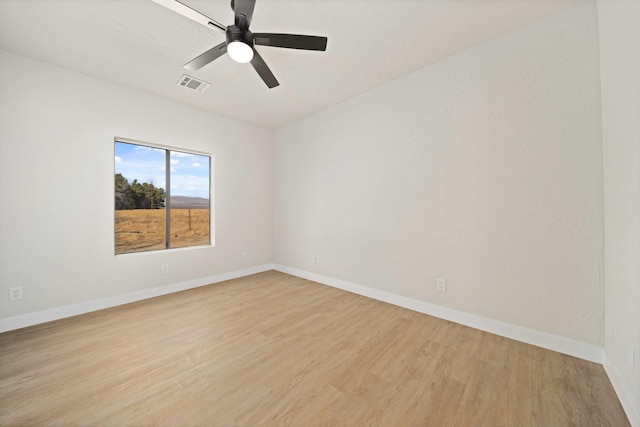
162, 198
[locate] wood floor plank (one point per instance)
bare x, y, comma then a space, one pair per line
275, 350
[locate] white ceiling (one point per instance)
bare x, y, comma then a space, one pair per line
143, 45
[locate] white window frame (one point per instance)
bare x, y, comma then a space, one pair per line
168, 149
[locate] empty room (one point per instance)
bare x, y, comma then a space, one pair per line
320, 213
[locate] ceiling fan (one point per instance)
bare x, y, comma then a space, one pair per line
240, 42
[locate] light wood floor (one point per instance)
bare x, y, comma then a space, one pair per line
272, 349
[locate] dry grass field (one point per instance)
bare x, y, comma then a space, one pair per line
140, 230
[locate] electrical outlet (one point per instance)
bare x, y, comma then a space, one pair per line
615, 330
313, 259
244, 255
165, 268
633, 357
442, 285
15, 293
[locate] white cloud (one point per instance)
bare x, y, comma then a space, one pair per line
174, 161
118, 159
195, 164
144, 148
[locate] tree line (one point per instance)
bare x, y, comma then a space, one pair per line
136, 195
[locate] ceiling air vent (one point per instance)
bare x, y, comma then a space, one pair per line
193, 83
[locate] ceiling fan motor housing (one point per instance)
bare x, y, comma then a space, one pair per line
235, 34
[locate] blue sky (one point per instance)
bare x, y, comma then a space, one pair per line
189, 172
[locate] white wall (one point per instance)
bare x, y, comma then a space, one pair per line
620, 68
484, 169
56, 187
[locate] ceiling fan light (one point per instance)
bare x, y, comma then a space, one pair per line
240, 51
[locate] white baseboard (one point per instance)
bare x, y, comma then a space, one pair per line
624, 395
541, 339
30, 319
568, 346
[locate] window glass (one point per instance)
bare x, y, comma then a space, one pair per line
151, 182
189, 199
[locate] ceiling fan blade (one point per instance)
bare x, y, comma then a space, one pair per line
291, 41
243, 10
190, 13
263, 70
207, 57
